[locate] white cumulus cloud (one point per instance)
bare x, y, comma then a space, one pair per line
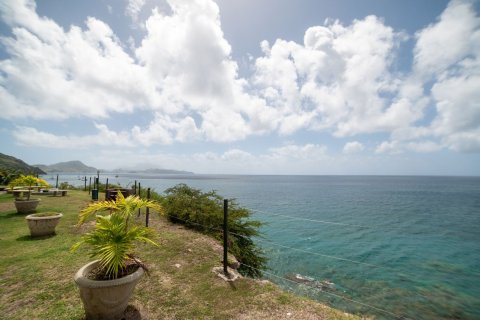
353, 147
340, 80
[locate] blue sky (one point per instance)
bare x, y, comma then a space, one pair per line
251, 87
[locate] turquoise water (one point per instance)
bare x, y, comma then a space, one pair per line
409, 246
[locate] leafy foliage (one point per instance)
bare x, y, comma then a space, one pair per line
203, 211
7, 176
113, 238
29, 182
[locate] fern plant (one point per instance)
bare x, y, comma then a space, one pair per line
114, 237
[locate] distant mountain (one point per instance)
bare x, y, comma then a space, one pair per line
67, 167
12, 163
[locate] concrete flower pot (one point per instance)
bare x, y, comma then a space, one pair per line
105, 299
42, 224
26, 206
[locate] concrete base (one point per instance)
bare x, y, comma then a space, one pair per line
233, 274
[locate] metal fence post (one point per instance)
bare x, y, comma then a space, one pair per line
106, 188
225, 237
85, 187
89, 185
147, 216
140, 196
56, 184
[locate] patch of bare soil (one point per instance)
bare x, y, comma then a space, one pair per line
7, 206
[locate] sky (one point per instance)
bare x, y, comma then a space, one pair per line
243, 87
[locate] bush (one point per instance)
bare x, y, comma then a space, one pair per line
7, 176
203, 211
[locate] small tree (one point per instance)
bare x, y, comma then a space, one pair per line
204, 211
113, 238
29, 182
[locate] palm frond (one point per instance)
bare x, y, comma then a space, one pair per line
112, 240
107, 205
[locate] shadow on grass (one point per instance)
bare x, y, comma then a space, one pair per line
132, 313
30, 238
9, 215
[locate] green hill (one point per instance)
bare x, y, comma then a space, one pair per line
11, 163
67, 167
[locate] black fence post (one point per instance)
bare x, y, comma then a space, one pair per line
225, 237
147, 215
56, 184
106, 188
139, 195
85, 187
89, 185
135, 188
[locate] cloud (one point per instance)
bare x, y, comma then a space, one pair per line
441, 45
337, 80
311, 152
397, 147
448, 52
29, 136
353, 147
52, 74
181, 70
340, 80
277, 160
133, 9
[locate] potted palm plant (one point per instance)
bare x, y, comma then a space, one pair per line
27, 205
107, 283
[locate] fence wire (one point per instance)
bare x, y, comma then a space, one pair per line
216, 229
335, 295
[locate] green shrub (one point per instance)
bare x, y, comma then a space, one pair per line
203, 211
8, 175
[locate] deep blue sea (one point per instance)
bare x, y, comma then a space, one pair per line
374, 245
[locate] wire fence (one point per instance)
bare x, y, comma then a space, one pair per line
323, 291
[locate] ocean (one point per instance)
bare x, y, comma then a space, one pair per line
388, 246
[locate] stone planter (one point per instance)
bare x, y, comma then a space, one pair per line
105, 299
41, 225
26, 206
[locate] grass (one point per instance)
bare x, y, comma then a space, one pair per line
36, 275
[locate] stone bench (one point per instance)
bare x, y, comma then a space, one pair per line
55, 193
18, 193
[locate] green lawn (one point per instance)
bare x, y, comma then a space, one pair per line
36, 275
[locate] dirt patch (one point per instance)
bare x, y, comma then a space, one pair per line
7, 206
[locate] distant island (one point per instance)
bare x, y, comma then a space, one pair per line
11, 163
79, 167
67, 167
